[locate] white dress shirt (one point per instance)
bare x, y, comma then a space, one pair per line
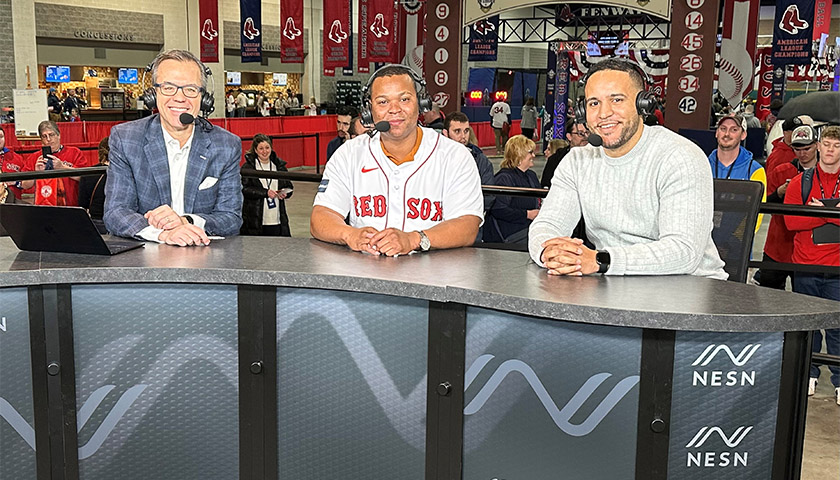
178, 157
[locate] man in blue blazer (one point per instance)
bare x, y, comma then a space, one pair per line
173, 182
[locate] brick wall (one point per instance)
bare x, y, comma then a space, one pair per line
98, 24
7, 56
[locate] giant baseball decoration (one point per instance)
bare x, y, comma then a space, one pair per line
736, 71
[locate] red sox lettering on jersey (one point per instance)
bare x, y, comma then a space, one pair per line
377, 206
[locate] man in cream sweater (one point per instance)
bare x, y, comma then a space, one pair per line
646, 195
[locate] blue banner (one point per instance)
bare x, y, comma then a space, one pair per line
836, 85
561, 94
250, 27
548, 114
779, 83
792, 32
484, 40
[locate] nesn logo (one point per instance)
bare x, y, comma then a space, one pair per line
323, 186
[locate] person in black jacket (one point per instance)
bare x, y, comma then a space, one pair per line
509, 217
263, 207
577, 136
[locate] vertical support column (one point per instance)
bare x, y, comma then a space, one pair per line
442, 53
26, 49
793, 406
656, 379
54, 382
257, 382
445, 401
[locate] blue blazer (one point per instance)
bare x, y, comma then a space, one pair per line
138, 178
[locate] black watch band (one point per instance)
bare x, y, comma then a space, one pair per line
189, 219
602, 258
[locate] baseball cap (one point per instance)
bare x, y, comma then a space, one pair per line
792, 123
735, 117
803, 136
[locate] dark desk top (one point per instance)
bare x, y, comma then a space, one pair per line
501, 280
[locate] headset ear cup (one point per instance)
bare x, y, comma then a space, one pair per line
207, 103
425, 104
149, 98
645, 103
580, 111
365, 115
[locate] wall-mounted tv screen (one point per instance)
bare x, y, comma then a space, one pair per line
234, 78
279, 79
57, 74
128, 75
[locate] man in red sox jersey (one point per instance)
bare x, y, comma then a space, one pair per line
406, 189
10, 162
63, 158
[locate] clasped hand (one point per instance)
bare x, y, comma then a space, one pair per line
568, 256
390, 242
176, 229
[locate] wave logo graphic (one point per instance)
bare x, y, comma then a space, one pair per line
731, 441
561, 417
712, 350
3, 324
126, 400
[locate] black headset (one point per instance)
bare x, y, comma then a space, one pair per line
645, 101
149, 96
420, 86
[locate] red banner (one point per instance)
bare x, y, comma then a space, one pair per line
208, 15
377, 32
291, 33
765, 83
822, 18
337, 29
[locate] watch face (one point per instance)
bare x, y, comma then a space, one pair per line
425, 244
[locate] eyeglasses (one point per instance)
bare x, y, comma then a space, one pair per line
170, 89
580, 134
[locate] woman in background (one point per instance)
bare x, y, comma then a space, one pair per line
529, 118
510, 217
263, 207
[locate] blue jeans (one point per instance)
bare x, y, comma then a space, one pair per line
824, 286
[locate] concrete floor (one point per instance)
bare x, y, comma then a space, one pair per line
822, 436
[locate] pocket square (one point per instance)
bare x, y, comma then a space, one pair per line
207, 183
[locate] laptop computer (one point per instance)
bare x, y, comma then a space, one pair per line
42, 228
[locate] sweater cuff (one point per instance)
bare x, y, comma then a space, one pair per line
618, 261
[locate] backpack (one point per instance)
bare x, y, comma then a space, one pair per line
807, 183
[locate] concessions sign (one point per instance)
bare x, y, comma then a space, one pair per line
793, 32
291, 34
484, 40
250, 26
208, 14
337, 28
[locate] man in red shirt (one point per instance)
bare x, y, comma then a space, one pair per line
779, 244
781, 152
825, 184
10, 162
63, 158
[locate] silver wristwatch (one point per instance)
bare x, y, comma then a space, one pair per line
425, 244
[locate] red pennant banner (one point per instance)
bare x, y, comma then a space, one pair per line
377, 32
765, 83
337, 29
822, 18
208, 15
291, 31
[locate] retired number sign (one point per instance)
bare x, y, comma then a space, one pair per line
688, 104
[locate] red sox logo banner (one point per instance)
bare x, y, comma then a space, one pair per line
208, 15
337, 28
765, 84
377, 32
484, 40
291, 31
250, 12
792, 32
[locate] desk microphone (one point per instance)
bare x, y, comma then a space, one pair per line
595, 140
382, 126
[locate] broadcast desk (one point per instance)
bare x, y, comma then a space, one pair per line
290, 358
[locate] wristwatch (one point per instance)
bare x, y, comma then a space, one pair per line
425, 244
189, 219
602, 258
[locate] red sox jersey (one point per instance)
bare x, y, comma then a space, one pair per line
441, 183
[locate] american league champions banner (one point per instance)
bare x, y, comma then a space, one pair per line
250, 25
792, 32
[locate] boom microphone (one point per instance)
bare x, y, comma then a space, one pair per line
186, 118
595, 140
382, 126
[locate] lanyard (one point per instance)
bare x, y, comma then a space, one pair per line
819, 182
270, 168
728, 173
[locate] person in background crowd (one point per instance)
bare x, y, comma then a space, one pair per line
780, 151
171, 182
646, 195
92, 189
342, 125
730, 160
62, 157
54, 106
293, 99
529, 118
258, 103
312, 107
279, 106
500, 114
264, 207
509, 217
230, 105
10, 162
457, 127
750, 118
825, 185
434, 118
265, 107
578, 136
778, 247
356, 127
81, 99
241, 103
74, 116
439, 204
